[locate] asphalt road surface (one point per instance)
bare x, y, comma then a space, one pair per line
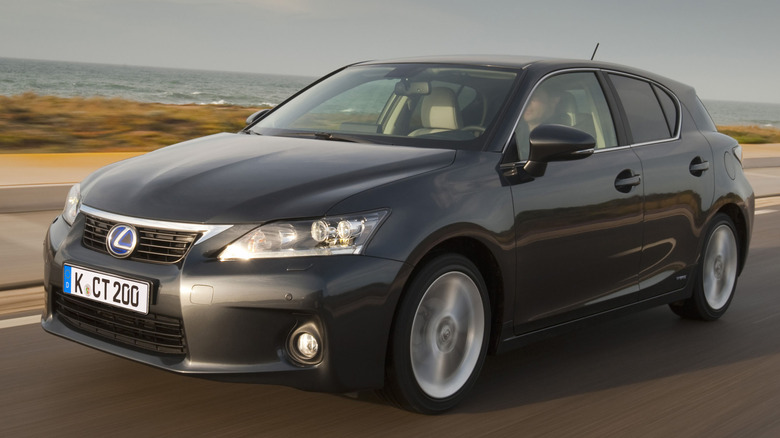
648, 374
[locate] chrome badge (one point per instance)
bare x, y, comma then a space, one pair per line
121, 240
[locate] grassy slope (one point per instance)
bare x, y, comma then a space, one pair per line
46, 124
752, 134
32, 123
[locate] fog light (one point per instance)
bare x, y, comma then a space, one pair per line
307, 345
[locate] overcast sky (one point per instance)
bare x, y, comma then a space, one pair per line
728, 50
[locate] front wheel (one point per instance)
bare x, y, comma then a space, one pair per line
717, 274
439, 338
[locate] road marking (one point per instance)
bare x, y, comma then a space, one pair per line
16, 322
765, 211
758, 321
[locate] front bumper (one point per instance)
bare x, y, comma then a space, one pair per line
237, 317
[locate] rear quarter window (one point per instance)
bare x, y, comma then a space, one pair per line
669, 108
701, 116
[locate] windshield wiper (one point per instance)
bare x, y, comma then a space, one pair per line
330, 136
323, 136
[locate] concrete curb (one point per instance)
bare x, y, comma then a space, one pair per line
29, 198
21, 300
21, 285
758, 163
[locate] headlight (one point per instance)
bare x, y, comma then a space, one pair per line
72, 204
317, 237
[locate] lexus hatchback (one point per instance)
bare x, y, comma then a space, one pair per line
394, 222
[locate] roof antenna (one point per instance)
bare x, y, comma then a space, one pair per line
594, 51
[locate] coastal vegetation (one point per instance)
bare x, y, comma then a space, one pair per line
30, 123
752, 134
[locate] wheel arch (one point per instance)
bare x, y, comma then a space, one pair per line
739, 220
485, 261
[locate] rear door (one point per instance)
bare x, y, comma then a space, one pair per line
677, 179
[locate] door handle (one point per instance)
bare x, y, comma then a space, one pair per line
626, 180
698, 166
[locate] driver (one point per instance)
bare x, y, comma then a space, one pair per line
540, 109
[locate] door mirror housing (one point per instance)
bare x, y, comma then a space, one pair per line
556, 143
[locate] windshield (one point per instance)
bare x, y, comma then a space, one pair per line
405, 104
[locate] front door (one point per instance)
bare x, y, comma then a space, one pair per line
579, 226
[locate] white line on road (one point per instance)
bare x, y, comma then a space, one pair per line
16, 322
765, 211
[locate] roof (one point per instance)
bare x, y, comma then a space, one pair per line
524, 62
507, 61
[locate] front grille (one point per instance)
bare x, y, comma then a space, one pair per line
157, 333
154, 245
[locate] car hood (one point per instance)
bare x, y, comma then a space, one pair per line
239, 178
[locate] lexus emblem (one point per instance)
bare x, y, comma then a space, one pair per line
121, 240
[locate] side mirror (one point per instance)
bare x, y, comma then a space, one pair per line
556, 143
256, 116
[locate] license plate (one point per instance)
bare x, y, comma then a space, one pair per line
107, 289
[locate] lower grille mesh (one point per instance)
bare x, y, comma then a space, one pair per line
157, 333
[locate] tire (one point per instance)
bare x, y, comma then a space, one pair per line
716, 275
439, 338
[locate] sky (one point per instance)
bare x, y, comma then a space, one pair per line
727, 50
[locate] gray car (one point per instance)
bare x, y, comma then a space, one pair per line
396, 221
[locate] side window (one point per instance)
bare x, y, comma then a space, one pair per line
645, 114
571, 99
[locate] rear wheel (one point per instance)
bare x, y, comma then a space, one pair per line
439, 338
716, 275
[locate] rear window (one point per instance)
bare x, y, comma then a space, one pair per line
701, 116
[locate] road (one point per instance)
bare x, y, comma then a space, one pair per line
648, 374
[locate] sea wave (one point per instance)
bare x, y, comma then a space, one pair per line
218, 102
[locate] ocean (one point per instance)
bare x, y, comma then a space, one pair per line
179, 86
146, 84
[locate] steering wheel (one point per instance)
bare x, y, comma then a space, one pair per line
474, 129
